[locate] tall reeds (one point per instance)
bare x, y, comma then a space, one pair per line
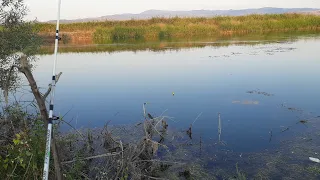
171, 28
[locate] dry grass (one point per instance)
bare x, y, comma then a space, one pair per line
170, 28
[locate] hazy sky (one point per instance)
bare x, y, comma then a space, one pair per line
71, 9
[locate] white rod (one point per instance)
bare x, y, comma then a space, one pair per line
49, 131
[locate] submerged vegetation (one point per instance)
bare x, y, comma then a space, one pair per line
183, 28
149, 149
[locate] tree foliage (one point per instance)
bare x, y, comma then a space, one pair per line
17, 37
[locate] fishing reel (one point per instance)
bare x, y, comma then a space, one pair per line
55, 118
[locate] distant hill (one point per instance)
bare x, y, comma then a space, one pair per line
312, 12
194, 13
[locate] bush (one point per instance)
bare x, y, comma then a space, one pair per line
22, 154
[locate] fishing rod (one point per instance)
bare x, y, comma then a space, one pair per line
49, 131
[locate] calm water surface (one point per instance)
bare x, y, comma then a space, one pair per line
101, 86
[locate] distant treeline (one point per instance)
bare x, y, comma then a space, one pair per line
178, 28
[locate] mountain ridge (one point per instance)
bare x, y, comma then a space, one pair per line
148, 14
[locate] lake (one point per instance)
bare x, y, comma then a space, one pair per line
258, 88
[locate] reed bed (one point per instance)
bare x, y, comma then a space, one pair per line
171, 28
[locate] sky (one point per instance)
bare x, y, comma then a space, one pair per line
45, 10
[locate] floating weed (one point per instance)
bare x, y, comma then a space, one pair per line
246, 102
286, 129
260, 92
302, 121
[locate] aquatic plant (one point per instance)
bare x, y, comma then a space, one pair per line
240, 175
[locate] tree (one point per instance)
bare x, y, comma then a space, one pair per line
17, 38
19, 43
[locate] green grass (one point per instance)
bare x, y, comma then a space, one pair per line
168, 28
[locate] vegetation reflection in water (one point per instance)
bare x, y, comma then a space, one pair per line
181, 43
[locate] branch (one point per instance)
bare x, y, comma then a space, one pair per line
160, 161
93, 157
150, 177
50, 86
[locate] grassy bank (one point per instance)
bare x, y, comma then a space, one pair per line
177, 28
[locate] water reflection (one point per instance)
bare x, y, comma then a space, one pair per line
179, 44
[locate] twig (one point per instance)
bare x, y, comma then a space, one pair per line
93, 157
145, 129
28, 166
121, 146
153, 177
13, 170
285, 129
158, 143
84, 175
155, 127
50, 86
163, 112
159, 161
197, 118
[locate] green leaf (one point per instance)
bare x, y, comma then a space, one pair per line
18, 136
28, 153
16, 141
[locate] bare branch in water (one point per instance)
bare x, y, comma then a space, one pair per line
150, 177
197, 118
159, 161
93, 157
